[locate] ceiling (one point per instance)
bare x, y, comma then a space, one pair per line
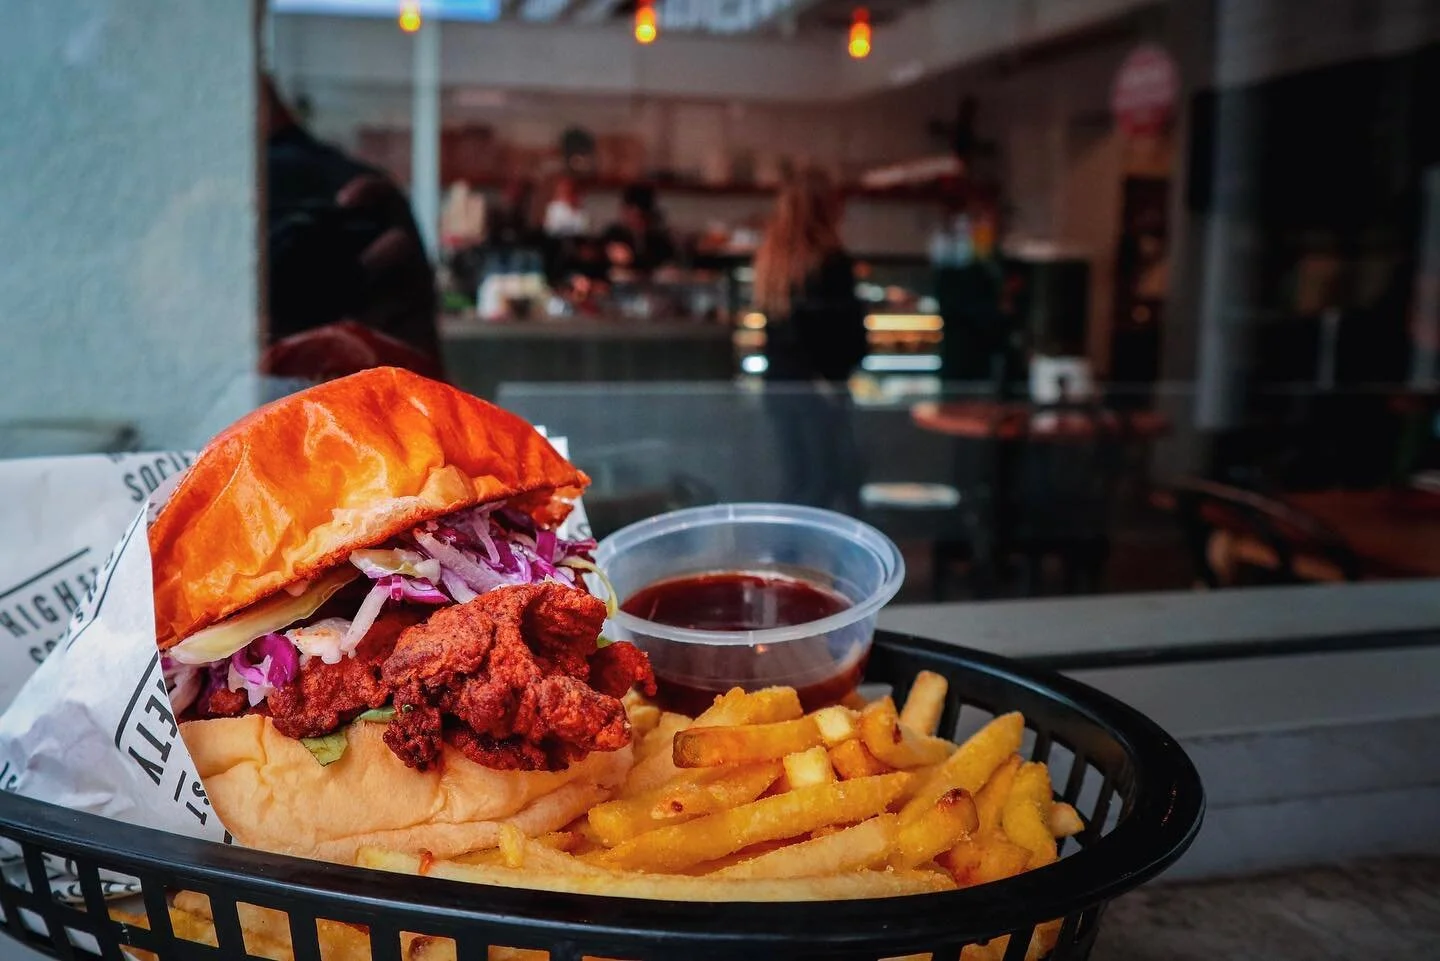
702, 16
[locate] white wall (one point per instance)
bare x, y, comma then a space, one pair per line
559, 57
128, 272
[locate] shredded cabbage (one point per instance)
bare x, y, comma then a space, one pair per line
185, 682
267, 663
364, 619
450, 560
416, 590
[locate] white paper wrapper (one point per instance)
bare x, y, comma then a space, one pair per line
91, 729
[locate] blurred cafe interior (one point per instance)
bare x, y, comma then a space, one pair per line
1121, 317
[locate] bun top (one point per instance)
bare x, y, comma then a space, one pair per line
291, 489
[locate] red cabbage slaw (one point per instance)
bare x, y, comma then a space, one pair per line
451, 560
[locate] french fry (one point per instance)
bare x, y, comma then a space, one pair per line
896, 745
1042, 942
735, 707
485, 856
657, 739
711, 746
766, 706
521, 852
808, 767
925, 703
939, 829
921, 775
990, 799
971, 765
1026, 818
611, 822
781, 816
648, 775
191, 927
837, 724
851, 760
989, 951
670, 887
559, 840
644, 718
1065, 821
269, 929
695, 798
855, 701
983, 859
860, 846
653, 765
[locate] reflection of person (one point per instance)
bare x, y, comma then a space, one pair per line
565, 215
509, 222
344, 255
640, 240
815, 335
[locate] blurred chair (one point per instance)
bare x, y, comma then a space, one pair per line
1041, 486
1238, 538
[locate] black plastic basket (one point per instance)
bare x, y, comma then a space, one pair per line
1138, 792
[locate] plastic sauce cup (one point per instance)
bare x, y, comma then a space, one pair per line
821, 659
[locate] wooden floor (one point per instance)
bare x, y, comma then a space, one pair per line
1386, 909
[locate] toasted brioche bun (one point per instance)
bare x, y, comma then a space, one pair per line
290, 490
271, 794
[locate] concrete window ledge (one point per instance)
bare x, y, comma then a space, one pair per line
1305, 709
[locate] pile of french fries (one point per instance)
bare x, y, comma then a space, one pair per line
756, 800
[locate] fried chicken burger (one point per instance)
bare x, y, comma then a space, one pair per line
372, 632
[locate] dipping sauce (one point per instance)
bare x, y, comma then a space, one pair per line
734, 601
743, 601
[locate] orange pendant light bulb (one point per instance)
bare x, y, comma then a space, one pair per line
647, 26
859, 45
410, 16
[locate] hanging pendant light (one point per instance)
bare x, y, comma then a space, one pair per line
647, 25
859, 45
410, 19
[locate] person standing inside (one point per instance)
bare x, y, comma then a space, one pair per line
639, 241
815, 336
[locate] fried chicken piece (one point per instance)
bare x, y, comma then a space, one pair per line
513, 668
223, 702
325, 696
510, 754
414, 732
617, 667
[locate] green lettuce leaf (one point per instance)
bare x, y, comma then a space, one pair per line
328, 749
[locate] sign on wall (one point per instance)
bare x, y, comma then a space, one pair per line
1143, 95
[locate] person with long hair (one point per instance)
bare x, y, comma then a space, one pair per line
815, 336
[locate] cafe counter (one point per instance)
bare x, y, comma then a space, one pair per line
481, 355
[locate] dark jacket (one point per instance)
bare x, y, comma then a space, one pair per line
824, 335
325, 265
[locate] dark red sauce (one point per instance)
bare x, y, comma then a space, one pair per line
733, 601
690, 675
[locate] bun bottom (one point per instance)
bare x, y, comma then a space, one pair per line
271, 793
